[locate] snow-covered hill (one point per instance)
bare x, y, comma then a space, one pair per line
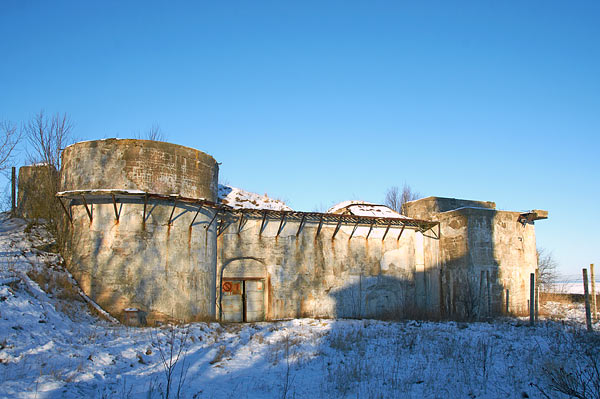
51, 346
238, 198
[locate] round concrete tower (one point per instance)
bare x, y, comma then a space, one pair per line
140, 235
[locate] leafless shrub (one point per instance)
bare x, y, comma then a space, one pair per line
548, 270
155, 133
579, 376
172, 346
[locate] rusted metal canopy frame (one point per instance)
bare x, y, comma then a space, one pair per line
321, 218
262, 224
337, 228
370, 229
283, 214
115, 206
301, 224
196, 215
386, 231
241, 223
66, 211
172, 212
145, 206
86, 207
320, 226
213, 219
401, 231
354, 229
435, 235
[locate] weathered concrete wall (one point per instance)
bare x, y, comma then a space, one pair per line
425, 208
478, 241
318, 276
166, 271
145, 165
36, 189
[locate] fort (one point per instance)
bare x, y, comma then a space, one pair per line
151, 232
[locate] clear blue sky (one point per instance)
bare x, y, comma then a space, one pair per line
319, 102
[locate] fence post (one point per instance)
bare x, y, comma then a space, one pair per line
594, 308
531, 299
588, 316
13, 192
507, 300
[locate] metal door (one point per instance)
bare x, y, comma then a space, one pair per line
232, 301
255, 300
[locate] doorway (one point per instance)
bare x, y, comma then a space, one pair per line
243, 300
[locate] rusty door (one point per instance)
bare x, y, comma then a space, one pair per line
255, 300
232, 302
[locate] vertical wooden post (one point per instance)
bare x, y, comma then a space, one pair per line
531, 299
588, 316
594, 308
13, 186
489, 293
507, 301
537, 295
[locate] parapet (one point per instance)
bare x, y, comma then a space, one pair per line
150, 166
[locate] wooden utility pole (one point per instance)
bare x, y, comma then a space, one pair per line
531, 299
594, 308
588, 316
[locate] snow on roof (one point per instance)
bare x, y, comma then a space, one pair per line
242, 199
363, 208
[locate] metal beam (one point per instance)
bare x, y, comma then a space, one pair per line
172, 211
241, 223
370, 229
145, 205
262, 224
337, 228
386, 231
86, 207
66, 212
401, 231
196, 215
353, 230
320, 225
213, 219
115, 206
281, 223
301, 223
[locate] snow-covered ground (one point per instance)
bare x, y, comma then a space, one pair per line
51, 346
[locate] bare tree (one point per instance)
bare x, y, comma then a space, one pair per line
396, 199
548, 270
9, 138
47, 137
155, 133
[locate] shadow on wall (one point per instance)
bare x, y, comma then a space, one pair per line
387, 298
472, 281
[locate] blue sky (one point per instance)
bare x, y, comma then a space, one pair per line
319, 102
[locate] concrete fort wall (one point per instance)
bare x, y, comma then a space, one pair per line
477, 242
166, 271
316, 276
